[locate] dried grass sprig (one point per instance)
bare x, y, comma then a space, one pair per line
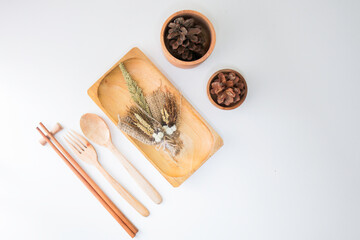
170, 109
156, 102
144, 123
136, 92
126, 125
165, 116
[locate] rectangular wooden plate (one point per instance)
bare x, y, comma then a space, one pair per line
200, 140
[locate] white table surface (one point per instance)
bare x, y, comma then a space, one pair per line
290, 166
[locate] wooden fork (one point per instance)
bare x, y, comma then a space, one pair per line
86, 152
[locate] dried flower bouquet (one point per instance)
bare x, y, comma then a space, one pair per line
152, 119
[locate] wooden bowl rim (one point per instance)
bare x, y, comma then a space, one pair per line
212, 36
209, 94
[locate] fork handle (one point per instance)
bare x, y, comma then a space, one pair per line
124, 193
136, 175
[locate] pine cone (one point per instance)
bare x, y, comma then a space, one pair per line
186, 39
227, 88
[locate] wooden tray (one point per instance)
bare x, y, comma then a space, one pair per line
110, 93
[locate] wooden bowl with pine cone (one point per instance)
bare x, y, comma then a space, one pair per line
187, 38
227, 89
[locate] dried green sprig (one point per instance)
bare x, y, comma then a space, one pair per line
136, 92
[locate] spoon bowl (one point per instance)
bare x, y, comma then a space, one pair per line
95, 129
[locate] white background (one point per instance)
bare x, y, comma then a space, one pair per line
290, 166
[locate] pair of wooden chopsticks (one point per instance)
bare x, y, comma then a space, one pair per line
89, 183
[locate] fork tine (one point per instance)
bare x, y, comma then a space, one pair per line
81, 138
69, 143
78, 141
75, 141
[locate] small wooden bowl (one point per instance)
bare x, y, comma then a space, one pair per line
214, 102
204, 22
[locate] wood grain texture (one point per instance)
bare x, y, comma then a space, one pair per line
201, 141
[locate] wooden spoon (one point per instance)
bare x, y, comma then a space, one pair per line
95, 129
86, 152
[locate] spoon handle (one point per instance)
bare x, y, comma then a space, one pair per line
136, 175
124, 193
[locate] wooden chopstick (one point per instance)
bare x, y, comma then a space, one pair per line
104, 200
89, 183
